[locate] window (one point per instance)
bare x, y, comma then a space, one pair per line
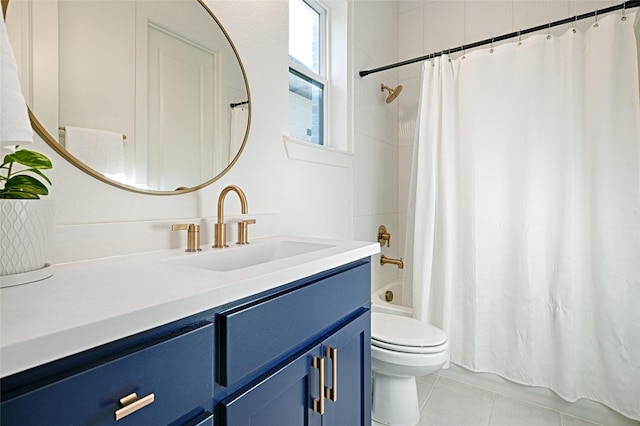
307, 71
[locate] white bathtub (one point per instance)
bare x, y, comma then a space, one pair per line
380, 304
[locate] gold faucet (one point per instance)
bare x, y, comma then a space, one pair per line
220, 228
398, 262
193, 235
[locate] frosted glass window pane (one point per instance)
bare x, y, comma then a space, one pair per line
305, 109
304, 35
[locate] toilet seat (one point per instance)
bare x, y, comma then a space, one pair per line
404, 334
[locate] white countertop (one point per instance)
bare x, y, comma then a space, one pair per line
86, 304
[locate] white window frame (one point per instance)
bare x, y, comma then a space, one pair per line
324, 66
337, 150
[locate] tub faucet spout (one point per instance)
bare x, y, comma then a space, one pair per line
398, 262
220, 229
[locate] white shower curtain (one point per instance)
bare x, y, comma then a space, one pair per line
523, 224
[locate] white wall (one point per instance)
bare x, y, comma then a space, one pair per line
311, 198
375, 200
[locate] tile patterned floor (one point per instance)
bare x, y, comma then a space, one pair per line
446, 402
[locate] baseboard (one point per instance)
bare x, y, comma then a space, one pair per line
585, 409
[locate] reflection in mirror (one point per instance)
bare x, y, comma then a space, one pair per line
152, 95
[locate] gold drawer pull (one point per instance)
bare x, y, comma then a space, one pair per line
332, 392
318, 405
131, 404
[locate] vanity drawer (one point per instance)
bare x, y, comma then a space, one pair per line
178, 372
260, 334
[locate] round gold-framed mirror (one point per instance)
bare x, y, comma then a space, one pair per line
147, 96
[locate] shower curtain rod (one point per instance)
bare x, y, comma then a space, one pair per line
626, 5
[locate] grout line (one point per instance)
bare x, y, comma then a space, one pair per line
493, 403
562, 413
426, 400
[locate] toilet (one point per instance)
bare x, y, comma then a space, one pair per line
402, 348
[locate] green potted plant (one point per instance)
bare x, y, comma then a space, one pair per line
18, 182
27, 220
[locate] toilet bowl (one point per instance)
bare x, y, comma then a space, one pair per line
402, 348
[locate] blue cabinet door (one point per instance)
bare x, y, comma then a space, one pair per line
286, 397
278, 399
170, 378
348, 374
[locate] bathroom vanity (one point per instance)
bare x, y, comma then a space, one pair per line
279, 342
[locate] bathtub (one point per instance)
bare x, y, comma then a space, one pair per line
380, 304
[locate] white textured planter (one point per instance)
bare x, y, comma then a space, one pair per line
26, 229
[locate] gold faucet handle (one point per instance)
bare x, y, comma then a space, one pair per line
193, 235
383, 235
243, 231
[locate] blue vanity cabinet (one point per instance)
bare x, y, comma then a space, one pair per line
261, 360
302, 391
164, 380
347, 399
297, 352
284, 397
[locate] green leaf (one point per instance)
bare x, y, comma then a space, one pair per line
30, 159
25, 184
38, 172
17, 195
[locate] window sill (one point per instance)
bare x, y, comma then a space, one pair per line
305, 151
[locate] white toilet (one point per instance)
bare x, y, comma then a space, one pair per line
402, 348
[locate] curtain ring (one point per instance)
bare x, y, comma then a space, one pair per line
575, 21
624, 11
595, 24
549, 32
491, 50
519, 38
464, 53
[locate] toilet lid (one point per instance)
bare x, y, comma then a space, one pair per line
404, 331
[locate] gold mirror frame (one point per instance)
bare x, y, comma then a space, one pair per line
56, 146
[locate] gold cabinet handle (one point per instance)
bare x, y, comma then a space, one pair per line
131, 404
332, 392
318, 405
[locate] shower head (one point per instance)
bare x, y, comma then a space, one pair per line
393, 93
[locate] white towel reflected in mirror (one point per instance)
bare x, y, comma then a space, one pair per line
101, 150
239, 118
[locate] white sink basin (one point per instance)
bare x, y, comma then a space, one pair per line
240, 257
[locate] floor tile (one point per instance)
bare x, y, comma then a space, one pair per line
574, 421
425, 384
508, 411
457, 404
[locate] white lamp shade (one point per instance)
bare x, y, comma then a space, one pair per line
15, 127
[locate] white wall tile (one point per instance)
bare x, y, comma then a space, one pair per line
377, 30
444, 26
375, 177
409, 5
405, 154
487, 19
408, 110
411, 43
373, 116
